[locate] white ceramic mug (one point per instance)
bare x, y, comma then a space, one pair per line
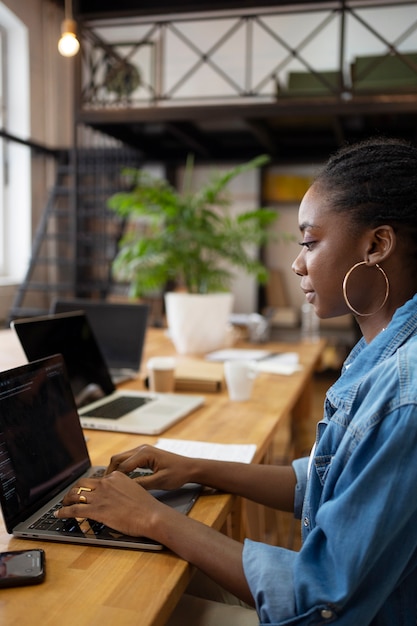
239, 377
161, 371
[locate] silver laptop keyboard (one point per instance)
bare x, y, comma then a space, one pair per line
78, 528
68, 526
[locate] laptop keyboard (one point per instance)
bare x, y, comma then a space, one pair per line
67, 526
114, 409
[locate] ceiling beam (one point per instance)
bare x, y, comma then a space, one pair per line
190, 137
263, 133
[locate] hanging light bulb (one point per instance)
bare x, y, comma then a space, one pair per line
68, 45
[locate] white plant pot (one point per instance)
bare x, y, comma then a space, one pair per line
198, 323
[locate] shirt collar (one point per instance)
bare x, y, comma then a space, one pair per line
364, 357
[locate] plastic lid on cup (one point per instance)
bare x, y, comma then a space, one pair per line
161, 363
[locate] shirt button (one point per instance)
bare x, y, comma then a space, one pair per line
306, 521
326, 613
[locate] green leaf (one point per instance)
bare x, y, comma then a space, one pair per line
187, 237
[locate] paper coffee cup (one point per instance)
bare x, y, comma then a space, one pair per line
161, 371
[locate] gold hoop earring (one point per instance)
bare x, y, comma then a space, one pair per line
345, 280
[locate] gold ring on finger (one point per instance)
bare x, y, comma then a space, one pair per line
81, 489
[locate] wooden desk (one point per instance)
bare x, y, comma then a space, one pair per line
92, 586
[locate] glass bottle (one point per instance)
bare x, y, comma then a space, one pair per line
310, 323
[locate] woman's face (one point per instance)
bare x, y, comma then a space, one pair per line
329, 249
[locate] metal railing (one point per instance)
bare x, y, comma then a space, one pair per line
240, 56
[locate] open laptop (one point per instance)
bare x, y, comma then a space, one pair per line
120, 330
100, 405
43, 453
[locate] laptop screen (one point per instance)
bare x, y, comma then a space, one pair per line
69, 334
42, 446
120, 328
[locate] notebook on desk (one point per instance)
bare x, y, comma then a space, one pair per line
120, 330
43, 453
100, 405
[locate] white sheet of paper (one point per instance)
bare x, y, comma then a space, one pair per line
237, 354
286, 364
242, 453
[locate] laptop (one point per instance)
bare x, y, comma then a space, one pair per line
120, 330
100, 405
43, 453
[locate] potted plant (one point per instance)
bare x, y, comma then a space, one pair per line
191, 241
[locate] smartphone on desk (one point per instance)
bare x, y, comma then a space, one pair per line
22, 567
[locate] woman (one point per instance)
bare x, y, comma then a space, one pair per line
357, 494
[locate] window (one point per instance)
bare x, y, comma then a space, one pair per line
15, 158
3, 176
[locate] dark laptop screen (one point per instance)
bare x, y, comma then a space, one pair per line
69, 334
119, 328
42, 446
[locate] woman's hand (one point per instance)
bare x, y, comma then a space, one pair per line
271, 485
115, 500
169, 471
119, 502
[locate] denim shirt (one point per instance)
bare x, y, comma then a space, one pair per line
357, 498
